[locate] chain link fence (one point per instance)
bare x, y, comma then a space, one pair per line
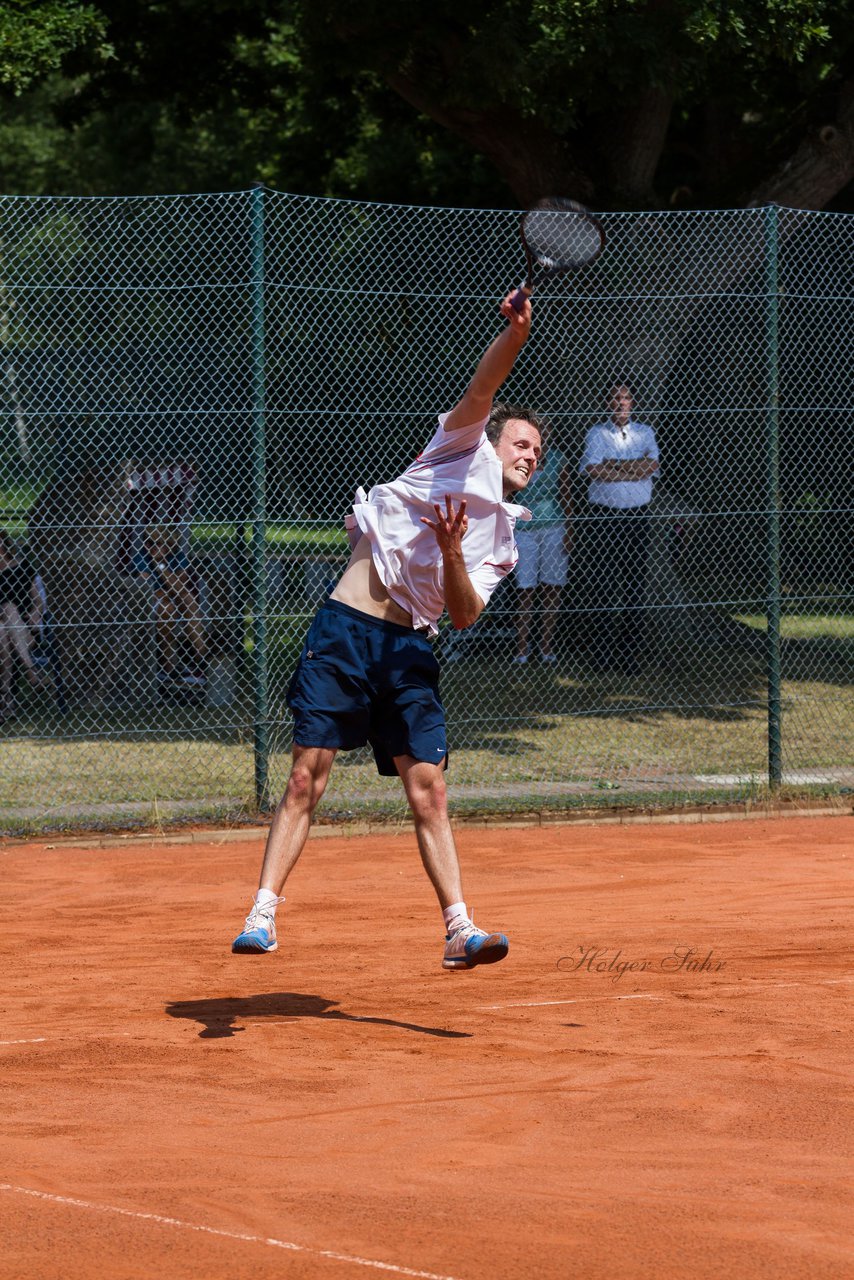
192, 388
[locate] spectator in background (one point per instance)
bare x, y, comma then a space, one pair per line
21, 608
543, 545
165, 563
620, 462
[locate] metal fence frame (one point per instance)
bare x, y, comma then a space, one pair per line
282, 256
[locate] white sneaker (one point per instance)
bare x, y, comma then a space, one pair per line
468, 946
260, 931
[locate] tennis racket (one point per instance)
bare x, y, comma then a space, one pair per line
557, 235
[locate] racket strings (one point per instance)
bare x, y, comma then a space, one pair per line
561, 239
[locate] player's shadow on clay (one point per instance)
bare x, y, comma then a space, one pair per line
221, 1018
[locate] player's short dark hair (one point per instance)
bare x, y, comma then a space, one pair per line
503, 413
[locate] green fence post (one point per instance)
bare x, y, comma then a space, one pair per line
772, 423
260, 692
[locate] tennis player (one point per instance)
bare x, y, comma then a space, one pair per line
440, 536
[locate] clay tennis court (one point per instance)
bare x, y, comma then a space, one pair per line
652, 1084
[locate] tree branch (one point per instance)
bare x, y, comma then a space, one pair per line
532, 160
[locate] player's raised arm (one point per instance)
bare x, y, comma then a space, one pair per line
493, 367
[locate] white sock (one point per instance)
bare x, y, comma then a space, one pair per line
266, 898
454, 916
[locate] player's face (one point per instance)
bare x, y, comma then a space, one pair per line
519, 449
620, 405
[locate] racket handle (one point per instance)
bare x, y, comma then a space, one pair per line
517, 302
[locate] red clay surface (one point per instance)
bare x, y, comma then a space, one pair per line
344, 1106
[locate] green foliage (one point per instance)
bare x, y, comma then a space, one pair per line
37, 35
428, 102
745, 81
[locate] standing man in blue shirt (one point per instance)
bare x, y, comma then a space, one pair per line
620, 462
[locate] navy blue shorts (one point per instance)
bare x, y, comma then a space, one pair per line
360, 679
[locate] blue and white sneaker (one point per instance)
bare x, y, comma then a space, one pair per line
260, 932
468, 946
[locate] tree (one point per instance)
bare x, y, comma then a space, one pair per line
626, 104
36, 36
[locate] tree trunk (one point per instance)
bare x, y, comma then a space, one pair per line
533, 161
819, 168
631, 143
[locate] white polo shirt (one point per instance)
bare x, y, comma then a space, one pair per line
609, 441
461, 463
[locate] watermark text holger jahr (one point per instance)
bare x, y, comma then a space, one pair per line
610, 962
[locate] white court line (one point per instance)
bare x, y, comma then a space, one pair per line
776, 986
96, 1035
227, 1235
536, 1004
747, 985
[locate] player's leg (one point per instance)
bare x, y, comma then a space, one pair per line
288, 833
426, 793
329, 697
285, 842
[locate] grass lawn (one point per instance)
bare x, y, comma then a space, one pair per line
510, 757
806, 626
694, 725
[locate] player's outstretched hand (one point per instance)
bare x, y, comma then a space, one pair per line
520, 320
449, 526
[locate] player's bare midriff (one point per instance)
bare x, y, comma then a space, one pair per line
360, 587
